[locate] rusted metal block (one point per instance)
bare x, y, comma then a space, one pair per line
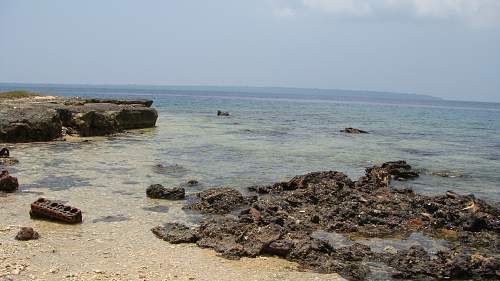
44, 208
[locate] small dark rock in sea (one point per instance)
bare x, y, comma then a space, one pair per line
175, 233
353, 131
400, 170
217, 200
283, 219
222, 113
27, 233
447, 174
4, 152
192, 182
169, 169
117, 218
157, 191
8, 183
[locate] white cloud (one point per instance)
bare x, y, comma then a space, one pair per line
475, 12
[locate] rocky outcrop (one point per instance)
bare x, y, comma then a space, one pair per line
217, 201
157, 191
295, 220
8, 183
29, 123
353, 131
46, 119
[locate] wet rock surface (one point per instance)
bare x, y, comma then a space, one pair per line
350, 130
222, 113
217, 201
27, 233
175, 233
157, 191
8, 183
47, 118
284, 220
6, 159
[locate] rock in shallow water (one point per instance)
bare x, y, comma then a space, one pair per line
8, 183
27, 233
284, 218
157, 191
175, 233
353, 131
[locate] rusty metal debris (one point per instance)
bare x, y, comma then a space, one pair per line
44, 208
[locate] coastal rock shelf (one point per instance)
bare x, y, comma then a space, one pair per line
302, 219
44, 118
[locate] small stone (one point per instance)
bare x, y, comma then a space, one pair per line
27, 233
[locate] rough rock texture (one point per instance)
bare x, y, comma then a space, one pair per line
285, 219
157, 191
353, 131
175, 233
43, 118
27, 233
217, 201
5, 159
29, 123
8, 183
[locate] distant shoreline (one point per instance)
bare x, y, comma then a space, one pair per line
242, 89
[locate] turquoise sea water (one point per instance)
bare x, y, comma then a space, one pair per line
273, 137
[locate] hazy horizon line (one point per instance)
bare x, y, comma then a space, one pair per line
239, 86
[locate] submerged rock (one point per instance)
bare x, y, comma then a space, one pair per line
222, 113
8, 183
217, 201
5, 159
157, 191
350, 130
27, 233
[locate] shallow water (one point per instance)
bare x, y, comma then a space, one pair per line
263, 141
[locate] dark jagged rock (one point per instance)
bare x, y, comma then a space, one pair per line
8, 183
284, 219
5, 159
350, 130
27, 233
157, 191
222, 113
192, 182
400, 170
217, 201
43, 118
175, 233
417, 263
4, 153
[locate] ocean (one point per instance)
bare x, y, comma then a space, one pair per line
267, 138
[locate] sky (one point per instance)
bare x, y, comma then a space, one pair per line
444, 48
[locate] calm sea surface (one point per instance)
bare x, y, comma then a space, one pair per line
273, 137
267, 138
